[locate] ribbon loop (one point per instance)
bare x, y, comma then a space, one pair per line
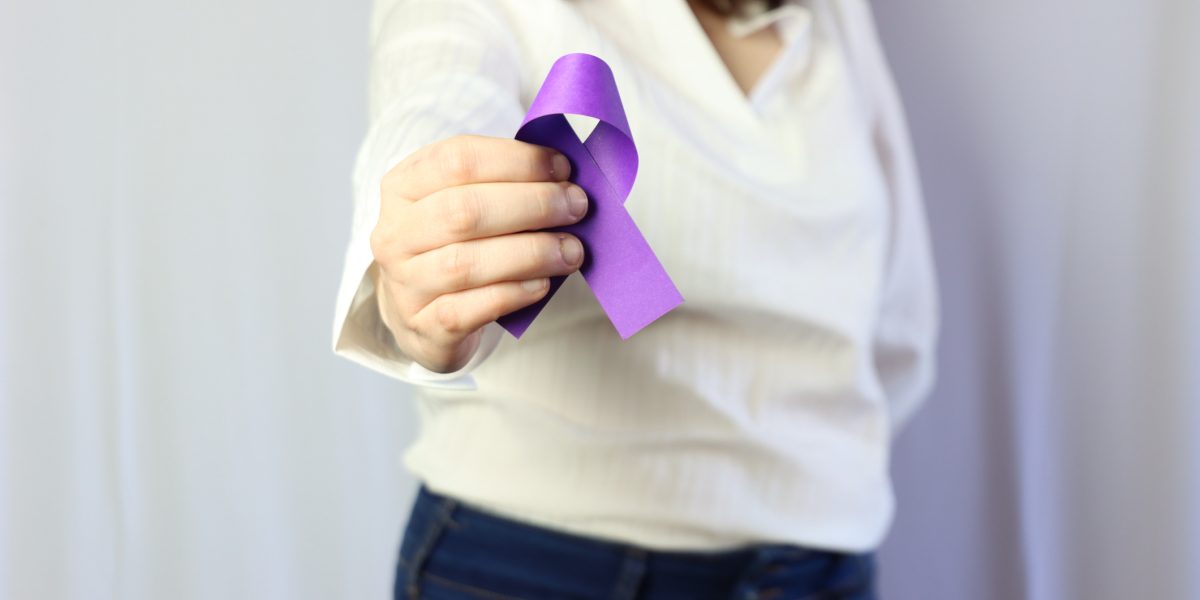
626, 277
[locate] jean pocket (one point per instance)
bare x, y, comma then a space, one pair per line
425, 528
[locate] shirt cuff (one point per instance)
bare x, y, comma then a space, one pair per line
360, 335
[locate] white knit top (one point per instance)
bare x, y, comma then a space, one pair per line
762, 409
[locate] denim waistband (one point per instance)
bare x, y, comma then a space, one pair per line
466, 538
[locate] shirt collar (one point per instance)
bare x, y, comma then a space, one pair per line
792, 20
794, 23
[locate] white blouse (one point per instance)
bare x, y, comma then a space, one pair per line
761, 410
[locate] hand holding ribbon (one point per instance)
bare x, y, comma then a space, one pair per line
621, 269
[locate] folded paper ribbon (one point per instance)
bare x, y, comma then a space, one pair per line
624, 274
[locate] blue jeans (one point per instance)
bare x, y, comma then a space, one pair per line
453, 552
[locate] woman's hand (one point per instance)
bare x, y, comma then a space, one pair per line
455, 247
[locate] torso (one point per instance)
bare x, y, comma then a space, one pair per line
756, 397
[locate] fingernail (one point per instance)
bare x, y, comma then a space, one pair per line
572, 250
560, 167
535, 285
577, 203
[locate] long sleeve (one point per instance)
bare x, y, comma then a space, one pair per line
905, 337
439, 68
907, 326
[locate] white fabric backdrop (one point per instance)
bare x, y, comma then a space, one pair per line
175, 194
1060, 146
173, 205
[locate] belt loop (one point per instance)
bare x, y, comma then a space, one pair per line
633, 568
443, 517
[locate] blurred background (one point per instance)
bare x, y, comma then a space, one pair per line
174, 204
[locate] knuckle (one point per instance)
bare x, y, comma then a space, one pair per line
418, 345
448, 317
420, 328
401, 276
547, 201
462, 213
392, 184
496, 302
388, 240
396, 314
435, 351
399, 321
407, 314
455, 159
457, 265
415, 341
381, 244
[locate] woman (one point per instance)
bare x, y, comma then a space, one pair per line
738, 446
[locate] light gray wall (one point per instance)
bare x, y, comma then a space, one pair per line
175, 203
1060, 145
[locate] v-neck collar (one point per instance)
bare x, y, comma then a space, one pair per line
688, 52
690, 55
795, 54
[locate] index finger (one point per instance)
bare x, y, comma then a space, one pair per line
469, 159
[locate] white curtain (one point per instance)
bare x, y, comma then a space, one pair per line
175, 204
173, 207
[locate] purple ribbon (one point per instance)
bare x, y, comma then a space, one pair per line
624, 274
